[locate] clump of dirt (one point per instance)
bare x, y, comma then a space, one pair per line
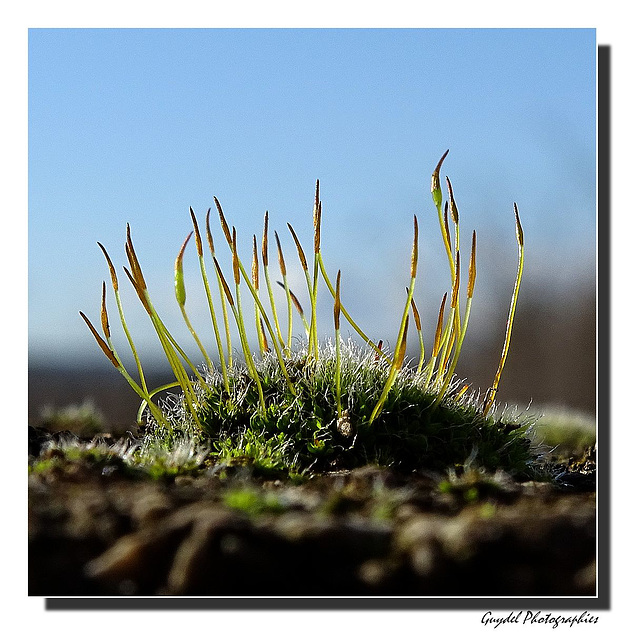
96, 528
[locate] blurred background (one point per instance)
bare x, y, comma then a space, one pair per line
137, 125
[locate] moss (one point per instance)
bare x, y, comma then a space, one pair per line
301, 434
564, 431
82, 419
253, 502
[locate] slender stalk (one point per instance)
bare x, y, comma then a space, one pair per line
401, 343
418, 323
455, 216
413, 271
393, 373
212, 313
444, 359
255, 280
240, 324
145, 403
461, 393
305, 269
451, 329
243, 334
285, 285
267, 279
116, 291
456, 355
336, 321
181, 298
445, 217
437, 342
225, 315
237, 266
317, 215
491, 393
240, 268
436, 194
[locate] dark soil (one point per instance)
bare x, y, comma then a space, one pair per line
95, 529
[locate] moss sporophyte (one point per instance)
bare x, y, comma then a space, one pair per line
325, 405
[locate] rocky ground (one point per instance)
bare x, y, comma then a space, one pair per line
97, 529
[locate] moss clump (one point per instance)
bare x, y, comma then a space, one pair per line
84, 419
303, 433
145, 458
253, 502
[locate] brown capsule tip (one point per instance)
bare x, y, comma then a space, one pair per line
138, 290
416, 315
283, 266
236, 261
101, 343
223, 222
103, 312
519, 232
296, 302
336, 305
197, 231
255, 280
454, 208
265, 252
414, 251
435, 177
182, 249
303, 259
225, 286
472, 267
209, 234
112, 271
133, 277
316, 228
133, 261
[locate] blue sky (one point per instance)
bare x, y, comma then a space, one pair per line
135, 126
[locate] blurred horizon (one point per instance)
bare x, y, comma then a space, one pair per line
137, 125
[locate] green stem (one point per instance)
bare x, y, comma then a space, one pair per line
225, 315
456, 354
274, 339
247, 351
491, 393
265, 262
223, 366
